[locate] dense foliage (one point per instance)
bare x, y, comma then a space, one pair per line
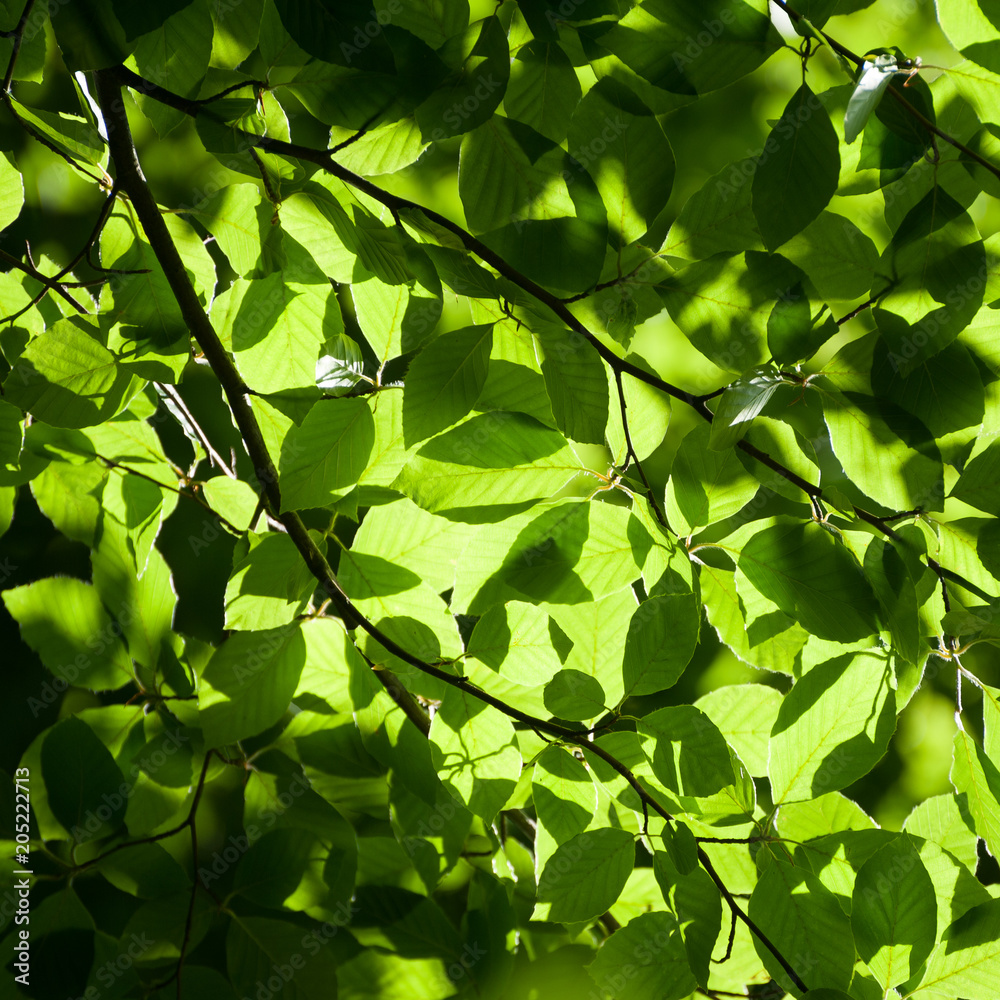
497, 578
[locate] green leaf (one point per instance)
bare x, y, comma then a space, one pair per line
585, 875
63, 620
967, 960
705, 485
597, 631
979, 484
258, 948
138, 20
277, 330
11, 192
435, 21
271, 870
970, 27
893, 912
67, 378
396, 319
576, 384
977, 779
884, 451
144, 870
740, 403
563, 793
800, 916
87, 791
801, 153
790, 333
662, 636
70, 497
966, 544
523, 195
837, 256
573, 552
927, 298
487, 467
326, 455
177, 50
317, 218
813, 578
690, 51
832, 727
444, 381
475, 753
744, 714
543, 89
408, 537
373, 973
942, 820
241, 223
695, 901
269, 586
691, 759
384, 150
651, 948
722, 304
944, 392
345, 32
479, 61
894, 585
72, 135
717, 218
515, 640
249, 682
875, 76
616, 138
143, 600
726, 613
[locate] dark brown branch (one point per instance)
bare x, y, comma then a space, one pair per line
763, 457
45, 280
257, 85
729, 943
132, 182
897, 95
177, 399
156, 836
95, 235
395, 204
17, 35
113, 464
855, 312
401, 697
630, 454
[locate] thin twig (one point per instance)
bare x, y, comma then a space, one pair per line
48, 282
132, 182
17, 35
113, 464
165, 389
631, 454
397, 205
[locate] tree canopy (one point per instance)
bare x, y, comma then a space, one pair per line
499, 499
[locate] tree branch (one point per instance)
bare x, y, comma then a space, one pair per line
132, 183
